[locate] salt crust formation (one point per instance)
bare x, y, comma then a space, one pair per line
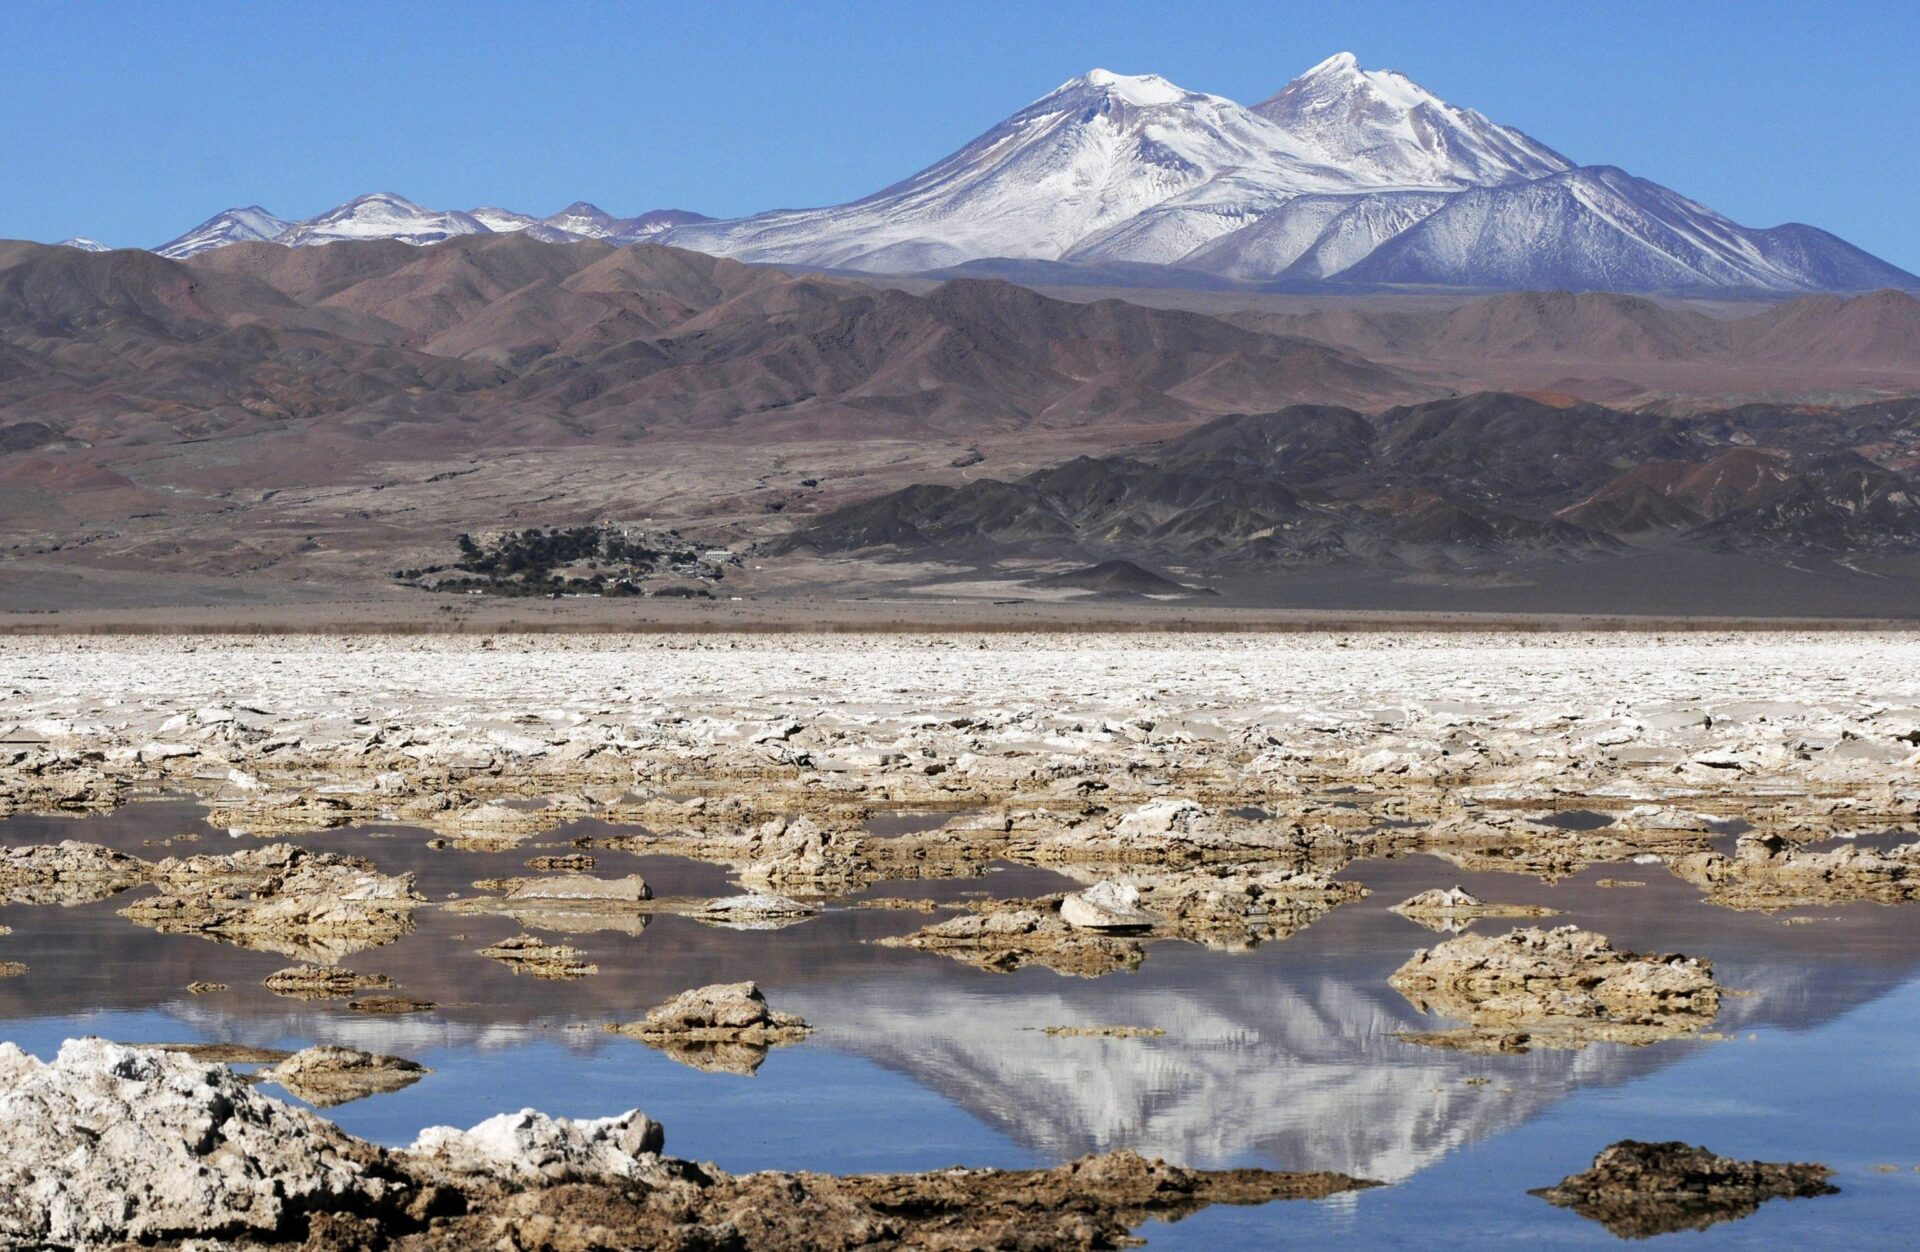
108, 1146
1561, 988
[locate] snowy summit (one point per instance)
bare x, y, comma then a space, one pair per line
1345, 175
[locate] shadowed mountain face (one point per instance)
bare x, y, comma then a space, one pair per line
1470, 482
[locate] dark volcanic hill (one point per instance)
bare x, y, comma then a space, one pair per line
1114, 578
1465, 483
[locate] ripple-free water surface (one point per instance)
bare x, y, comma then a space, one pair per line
1282, 1056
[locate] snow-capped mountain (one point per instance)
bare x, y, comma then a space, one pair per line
1314, 237
1600, 228
83, 244
1344, 176
587, 221
249, 225
502, 221
1083, 162
384, 215
1388, 129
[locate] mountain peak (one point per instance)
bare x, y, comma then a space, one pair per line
1139, 90
1384, 124
381, 199
1338, 63
251, 224
383, 215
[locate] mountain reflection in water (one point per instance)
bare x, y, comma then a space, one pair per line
1283, 1055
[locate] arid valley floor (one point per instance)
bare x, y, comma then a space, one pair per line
1394, 926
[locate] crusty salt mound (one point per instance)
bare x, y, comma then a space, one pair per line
1554, 988
109, 1145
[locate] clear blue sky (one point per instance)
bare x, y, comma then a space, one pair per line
131, 121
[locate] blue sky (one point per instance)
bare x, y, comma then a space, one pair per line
131, 121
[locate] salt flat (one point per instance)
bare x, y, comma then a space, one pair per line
1797, 705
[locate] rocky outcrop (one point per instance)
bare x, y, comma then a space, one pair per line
569, 904
1639, 1190
323, 982
110, 1145
1236, 907
1767, 872
1455, 908
754, 911
530, 1149
1108, 907
1509, 843
389, 1005
1003, 936
325, 1076
725, 1026
799, 855
1176, 831
315, 906
1561, 988
68, 872
530, 954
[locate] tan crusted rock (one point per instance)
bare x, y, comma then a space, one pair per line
529, 954
1106, 907
1234, 908
281, 898
798, 854
1554, 988
323, 982
325, 1076
1007, 935
68, 872
567, 903
107, 1144
755, 911
725, 1026
1766, 872
1454, 908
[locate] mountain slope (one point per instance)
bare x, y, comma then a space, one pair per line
492, 337
1600, 228
1087, 157
1389, 129
252, 224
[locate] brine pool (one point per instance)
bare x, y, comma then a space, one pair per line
1283, 1056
